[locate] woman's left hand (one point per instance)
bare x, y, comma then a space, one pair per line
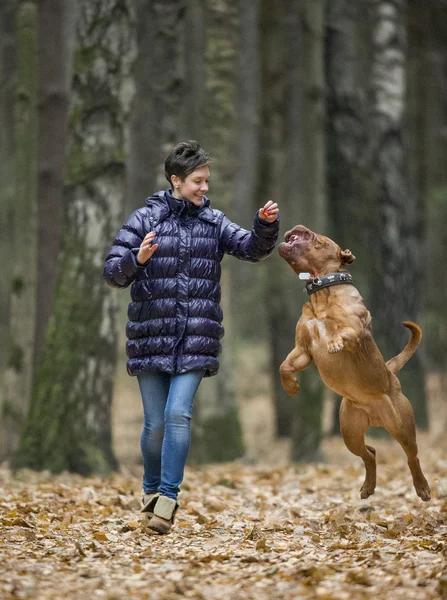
268, 212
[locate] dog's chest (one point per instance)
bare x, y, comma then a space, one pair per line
317, 331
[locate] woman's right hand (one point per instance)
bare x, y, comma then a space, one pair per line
147, 248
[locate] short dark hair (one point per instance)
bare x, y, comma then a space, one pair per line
185, 158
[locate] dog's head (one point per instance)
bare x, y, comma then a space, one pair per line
309, 252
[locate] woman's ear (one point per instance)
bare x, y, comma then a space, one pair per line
175, 181
346, 257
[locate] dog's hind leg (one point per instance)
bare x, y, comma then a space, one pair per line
404, 431
353, 425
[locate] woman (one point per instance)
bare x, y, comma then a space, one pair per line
170, 251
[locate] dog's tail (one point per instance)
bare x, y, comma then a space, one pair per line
395, 364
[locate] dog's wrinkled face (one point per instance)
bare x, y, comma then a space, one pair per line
306, 251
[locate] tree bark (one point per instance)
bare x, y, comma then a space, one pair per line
307, 423
427, 32
350, 190
19, 365
292, 172
8, 82
280, 320
194, 66
246, 137
68, 426
55, 44
396, 282
217, 408
157, 115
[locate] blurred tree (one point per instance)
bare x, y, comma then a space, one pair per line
280, 320
157, 115
22, 248
427, 61
68, 425
349, 185
292, 172
311, 207
427, 48
55, 46
193, 50
218, 433
396, 275
8, 80
245, 144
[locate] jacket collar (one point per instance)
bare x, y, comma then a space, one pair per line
163, 203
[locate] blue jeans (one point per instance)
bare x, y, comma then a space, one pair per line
166, 437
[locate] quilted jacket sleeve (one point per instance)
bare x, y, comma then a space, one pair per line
252, 245
121, 265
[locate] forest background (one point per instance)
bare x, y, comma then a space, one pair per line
335, 109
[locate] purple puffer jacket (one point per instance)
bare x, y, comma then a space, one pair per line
174, 315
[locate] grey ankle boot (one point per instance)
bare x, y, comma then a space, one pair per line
148, 502
164, 513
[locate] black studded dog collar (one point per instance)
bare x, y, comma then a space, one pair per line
319, 283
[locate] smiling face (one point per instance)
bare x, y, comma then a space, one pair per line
308, 252
193, 187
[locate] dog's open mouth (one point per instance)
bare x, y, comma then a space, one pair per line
299, 234
296, 236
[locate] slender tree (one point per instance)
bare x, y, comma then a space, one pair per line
427, 110
245, 143
8, 67
312, 210
218, 436
68, 426
157, 117
280, 321
396, 281
55, 46
194, 67
292, 172
349, 185
19, 359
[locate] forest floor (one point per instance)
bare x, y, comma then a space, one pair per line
244, 531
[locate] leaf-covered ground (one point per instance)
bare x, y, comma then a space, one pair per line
243, 531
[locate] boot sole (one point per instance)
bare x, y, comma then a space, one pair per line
159, 525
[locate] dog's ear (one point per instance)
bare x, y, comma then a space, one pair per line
346, 257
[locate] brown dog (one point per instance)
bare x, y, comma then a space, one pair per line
335, 331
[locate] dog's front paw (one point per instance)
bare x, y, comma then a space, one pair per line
335, 345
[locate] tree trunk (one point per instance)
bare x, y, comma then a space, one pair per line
280, 320
68, 426
55, 40
216, 407
307, 424
292, 172
246, 146
8, 81
19, 366
427, 122
157, 115
194, 84
396, 282
350, 190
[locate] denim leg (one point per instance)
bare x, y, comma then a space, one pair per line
177, 436
154, 388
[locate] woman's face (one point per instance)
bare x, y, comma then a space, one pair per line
193, 187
